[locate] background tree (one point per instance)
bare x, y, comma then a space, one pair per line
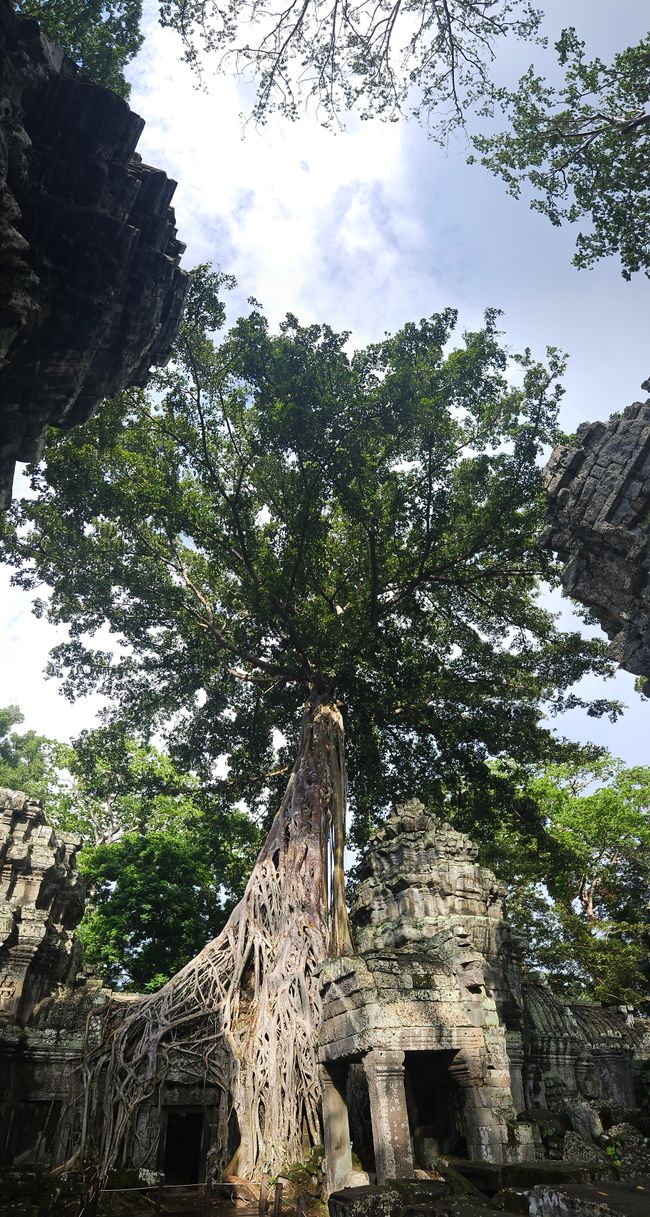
156, 897
116, 784
584, 148
431, 57
165, 856
285, 537
579, 895
27, 759
102, 36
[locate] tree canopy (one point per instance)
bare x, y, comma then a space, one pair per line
584, 148
276, 513
102, 36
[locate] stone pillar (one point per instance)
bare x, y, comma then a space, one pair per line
515, 1049
391, 1135
484, 1131
336, 1127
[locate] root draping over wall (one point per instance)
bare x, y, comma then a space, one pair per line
245, 1011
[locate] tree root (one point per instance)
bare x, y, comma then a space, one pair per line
244, 1014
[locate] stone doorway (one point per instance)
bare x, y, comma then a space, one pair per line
183, 1155
31, 1133
435, 1107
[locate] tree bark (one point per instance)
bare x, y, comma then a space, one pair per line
246, 1010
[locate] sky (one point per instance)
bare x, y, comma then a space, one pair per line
367, 229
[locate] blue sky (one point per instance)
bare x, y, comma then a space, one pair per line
367, 229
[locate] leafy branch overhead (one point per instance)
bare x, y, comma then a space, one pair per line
430, 57
581, 143
584, 148
278, 515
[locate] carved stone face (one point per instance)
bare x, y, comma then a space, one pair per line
471, 975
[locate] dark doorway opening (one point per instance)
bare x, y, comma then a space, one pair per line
435, 1106
358, 1102
183, 1144
31, 1132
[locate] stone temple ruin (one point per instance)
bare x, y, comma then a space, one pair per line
432, 1040
43, 902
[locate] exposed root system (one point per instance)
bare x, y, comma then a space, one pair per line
243, 1015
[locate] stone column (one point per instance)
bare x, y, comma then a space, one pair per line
485, 1132
336, 1127
515, 1049
391, 1135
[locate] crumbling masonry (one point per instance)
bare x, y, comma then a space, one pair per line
91, 293
598, 493
432, 1040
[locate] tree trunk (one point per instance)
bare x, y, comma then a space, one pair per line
245, 1012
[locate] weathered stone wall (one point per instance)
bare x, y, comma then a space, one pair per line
599, 511
91, 292
421, 1004
41, 903
435, 1003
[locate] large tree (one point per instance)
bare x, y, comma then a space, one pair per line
285, 537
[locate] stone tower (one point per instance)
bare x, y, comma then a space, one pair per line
41, 904
417, 1014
